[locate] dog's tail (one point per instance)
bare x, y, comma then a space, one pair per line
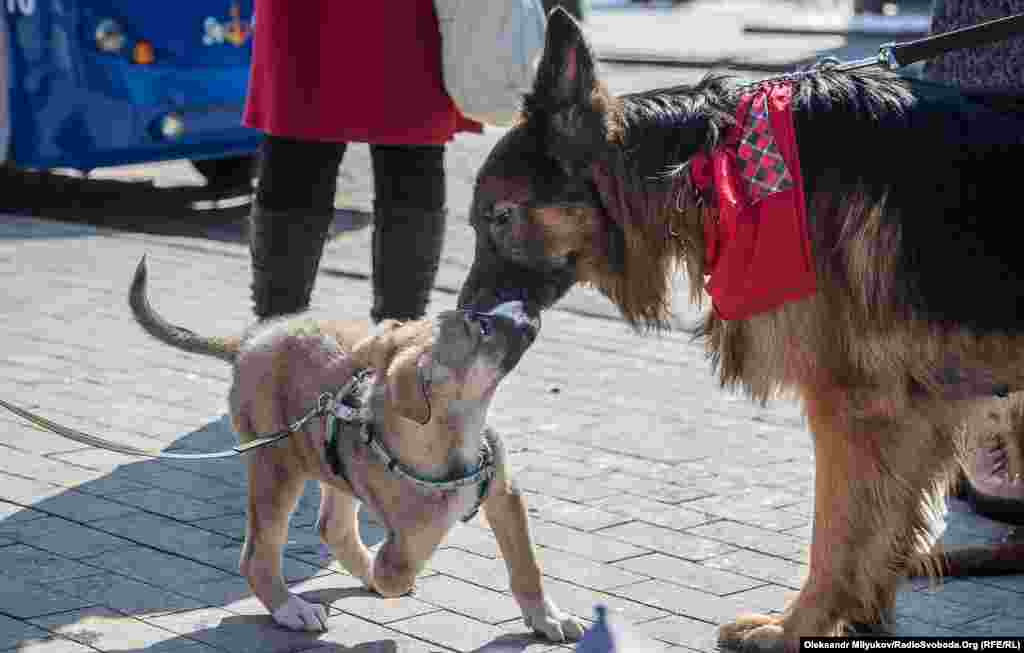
175, 336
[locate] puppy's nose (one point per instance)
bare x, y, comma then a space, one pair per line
515, 311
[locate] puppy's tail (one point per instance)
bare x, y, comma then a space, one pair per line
223, 348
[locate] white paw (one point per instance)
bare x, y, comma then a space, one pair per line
546, 619
299, 615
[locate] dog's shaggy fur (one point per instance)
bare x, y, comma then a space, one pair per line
918, 313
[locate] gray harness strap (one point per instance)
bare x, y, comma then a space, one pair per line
349, 414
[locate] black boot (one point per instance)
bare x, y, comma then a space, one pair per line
406, 252
285, 248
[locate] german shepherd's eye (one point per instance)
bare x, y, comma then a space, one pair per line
502, 211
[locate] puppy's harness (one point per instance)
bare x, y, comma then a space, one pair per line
345, 411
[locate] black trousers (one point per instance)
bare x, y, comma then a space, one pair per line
303, 175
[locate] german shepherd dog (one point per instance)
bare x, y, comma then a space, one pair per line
916, 320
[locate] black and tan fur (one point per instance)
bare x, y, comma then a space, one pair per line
919, 313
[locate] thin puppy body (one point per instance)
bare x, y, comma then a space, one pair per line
427, 400
917, 316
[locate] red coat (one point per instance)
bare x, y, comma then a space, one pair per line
363, 71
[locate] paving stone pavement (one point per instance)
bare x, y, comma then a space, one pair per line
650, 490
704, 516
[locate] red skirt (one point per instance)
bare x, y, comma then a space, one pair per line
365, 72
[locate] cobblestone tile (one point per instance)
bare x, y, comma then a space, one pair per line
124, 594
516, 637
19, 494
168, 534
935, 610
697, 604
750, 513
23, 599
181, 481
466, 537
20, 561
15, 633
174, 504
998, 625
354, 633
596, 546
235, 633
757, 565
581, 571
563, 487
50, 644
654, 512
467, 599
82, 507
682, 631
689, 574
12, 514
107, 630
978, 595
910, 627
156, 567
486, 572
449, 629
42, 469
67, 538
580, 601
667, 541
574, 515
757, 539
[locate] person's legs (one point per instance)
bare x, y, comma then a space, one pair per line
408, 229
290, 217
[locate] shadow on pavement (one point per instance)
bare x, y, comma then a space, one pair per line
141, 206
144, 558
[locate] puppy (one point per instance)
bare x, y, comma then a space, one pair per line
420, 390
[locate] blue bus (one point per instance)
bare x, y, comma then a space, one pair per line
94, 83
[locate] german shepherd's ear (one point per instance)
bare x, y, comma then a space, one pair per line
567, 92
566, 73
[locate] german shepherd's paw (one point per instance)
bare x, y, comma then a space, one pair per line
754, 632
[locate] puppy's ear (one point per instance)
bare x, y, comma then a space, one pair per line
408, 384
378, 348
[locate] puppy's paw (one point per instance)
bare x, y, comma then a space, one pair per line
546, 619
299, 615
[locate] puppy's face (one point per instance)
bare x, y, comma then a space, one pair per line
445, 370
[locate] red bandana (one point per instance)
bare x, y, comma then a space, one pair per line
758, 252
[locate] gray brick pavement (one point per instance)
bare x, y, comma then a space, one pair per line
676, 531
652, 491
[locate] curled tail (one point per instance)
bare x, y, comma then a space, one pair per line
179, 337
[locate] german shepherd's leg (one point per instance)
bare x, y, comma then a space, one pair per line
274, 489
506, 513
875, 478
338, 525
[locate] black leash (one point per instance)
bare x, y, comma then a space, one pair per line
897, 55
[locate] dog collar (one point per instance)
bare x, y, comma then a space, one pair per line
347, 410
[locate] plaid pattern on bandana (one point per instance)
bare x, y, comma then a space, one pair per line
761, 164
758, 250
